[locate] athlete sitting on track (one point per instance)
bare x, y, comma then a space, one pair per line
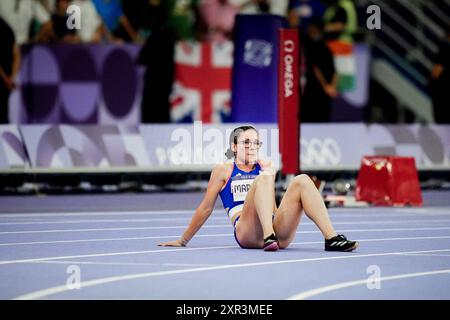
247, 189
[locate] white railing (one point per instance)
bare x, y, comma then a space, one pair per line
418, 60
401, 62
408, 96
415, 8
420, 36
430, 5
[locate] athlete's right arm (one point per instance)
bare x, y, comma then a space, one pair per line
204, 210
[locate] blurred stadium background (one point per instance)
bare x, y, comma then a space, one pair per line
76, 123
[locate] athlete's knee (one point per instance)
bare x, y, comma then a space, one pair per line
302, 179
265, 177
283, 244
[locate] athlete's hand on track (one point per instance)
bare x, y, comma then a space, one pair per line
176, 243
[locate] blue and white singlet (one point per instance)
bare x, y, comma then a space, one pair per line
235, 190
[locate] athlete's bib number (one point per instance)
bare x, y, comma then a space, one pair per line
239, 189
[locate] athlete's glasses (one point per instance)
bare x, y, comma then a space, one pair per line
247, 143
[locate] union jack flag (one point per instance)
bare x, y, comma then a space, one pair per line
202, 88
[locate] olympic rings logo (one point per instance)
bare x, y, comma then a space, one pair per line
320, 151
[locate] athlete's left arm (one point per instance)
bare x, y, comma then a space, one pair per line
205, 208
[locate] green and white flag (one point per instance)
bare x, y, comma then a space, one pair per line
345, 64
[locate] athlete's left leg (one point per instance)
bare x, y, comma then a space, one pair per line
255, 222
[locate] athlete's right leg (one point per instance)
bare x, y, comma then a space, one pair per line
255, 222
301, 194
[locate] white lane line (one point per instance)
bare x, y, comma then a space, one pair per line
112, 239
427, 255
30, 260
409, 221
110, 229
442, 209
205, 226
59, 289
163, 237
377, 215
109, 254
293, 243
96, 213
368, 212
106, 221
128, 263
337, 286
381, 239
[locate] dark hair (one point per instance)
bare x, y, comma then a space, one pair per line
263, 6
233, 139
317, 22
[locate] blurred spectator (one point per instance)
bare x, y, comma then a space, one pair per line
49, 5
300, 12
134, 11
218, 16
19, 14
157, 55
341, 23
56, 29
9, 67
278, 7
91, 23
183, 18
341, 20
440, 82
113, 17
321, 78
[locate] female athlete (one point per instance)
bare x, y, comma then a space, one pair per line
247, 189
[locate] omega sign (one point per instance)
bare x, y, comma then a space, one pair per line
289, 48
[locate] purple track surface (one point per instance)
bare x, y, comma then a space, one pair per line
109, 242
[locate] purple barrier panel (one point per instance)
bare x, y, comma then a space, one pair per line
12, 148
80, 84
66, 146
341, 146
101, 84
197, 146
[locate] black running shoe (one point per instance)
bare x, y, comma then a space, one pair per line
271, 243
340, 243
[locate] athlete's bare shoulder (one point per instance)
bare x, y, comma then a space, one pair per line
223, 170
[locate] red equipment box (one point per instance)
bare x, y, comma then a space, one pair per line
388, 180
